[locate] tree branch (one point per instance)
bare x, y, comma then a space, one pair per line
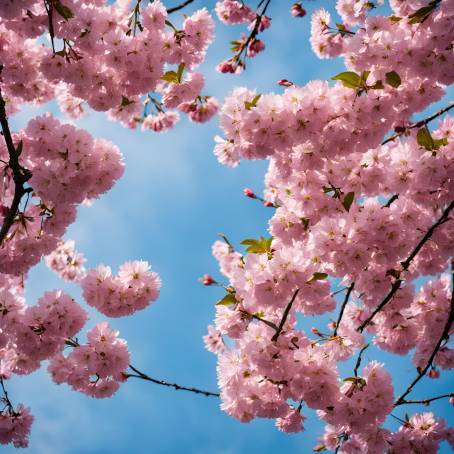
418, 124
358, 361
424, 401
284, 316
344, 304
178, 7
260, 319
20, 174
405, 265
444, 335
142, 376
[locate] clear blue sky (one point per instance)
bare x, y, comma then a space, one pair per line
167, 209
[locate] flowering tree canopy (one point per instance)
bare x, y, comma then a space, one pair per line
361, 195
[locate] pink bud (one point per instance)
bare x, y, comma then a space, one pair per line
433, 373
284, 83
249, 193
225, 67
256, 46
297, 10
451, 399
207, 280
268, 204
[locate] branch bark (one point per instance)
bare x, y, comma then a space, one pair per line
344, 304
20, 174
284, 316
178, 7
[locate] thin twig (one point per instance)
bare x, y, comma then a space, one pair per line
418, 124
391, 201
142, 376
405, 265
256, 317
423, 401
178, 7
20, 174
444, 335
358, 361
344, 304
284, 316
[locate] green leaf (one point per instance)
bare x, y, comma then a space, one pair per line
180, 72
394, 19
348, 200
63, 10
364, 76
378, 85
171, 77
393, 79
423, 13
253, 103
349, 79
320, 448
424, 139
317, 277
260, 246
125, 101
260, 314
228, 300
440, 143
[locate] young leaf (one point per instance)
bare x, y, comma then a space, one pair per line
125, 101
393, 79
317, 277
253, 103
423, 13
171, 77
260, 246
228, 300
394, 19
180, 72
424, 139
348, 200
63, 10
349, 79
378, 85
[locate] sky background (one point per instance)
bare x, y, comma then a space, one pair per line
167, 209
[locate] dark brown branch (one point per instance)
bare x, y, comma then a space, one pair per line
48, 5
178, 7
260, 319
253, 33
344, 304
444, 335
177, 387
20, 174
418, 124
405, 265
391, 201
358, 361
284, 316
424, 401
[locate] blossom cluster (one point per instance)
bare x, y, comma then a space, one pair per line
103, 55
357, 207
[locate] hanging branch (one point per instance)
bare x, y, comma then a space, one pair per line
344, 304
284, 316
20, 174
405, 265
142, 376
444, 335
400, 131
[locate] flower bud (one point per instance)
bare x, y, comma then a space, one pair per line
249, 193
297, 10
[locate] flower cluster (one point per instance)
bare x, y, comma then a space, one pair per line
133, 289
356, 208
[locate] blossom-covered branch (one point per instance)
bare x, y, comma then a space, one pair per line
444, 337
405, 265
20, 174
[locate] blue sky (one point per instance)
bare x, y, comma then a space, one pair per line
167, 209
